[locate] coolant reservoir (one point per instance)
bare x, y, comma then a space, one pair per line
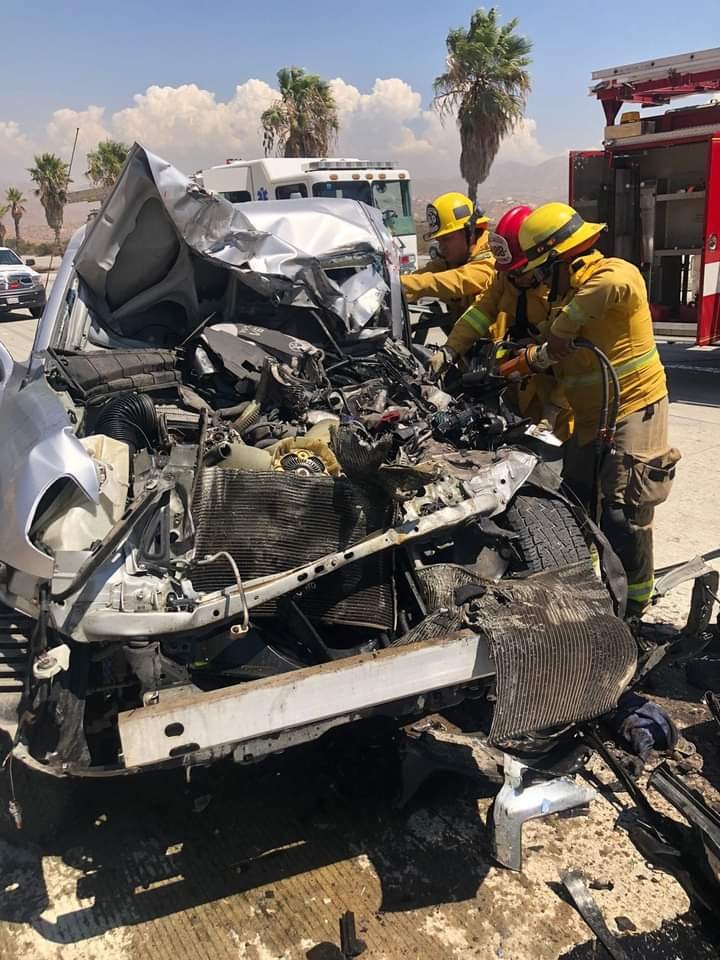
77, 523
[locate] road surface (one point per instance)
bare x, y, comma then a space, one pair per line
283, 849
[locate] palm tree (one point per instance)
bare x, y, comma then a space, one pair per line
106, 162
304, 121
3, 228
487, 83
52, 176
16, 201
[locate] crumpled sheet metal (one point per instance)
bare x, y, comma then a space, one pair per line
277, 247
561, 654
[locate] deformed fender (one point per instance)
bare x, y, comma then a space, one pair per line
39, 448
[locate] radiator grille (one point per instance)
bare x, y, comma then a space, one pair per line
15, 633
561, 654
271, 521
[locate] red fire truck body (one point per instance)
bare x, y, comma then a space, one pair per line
656, 184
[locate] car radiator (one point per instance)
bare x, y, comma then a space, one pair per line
273, 521
561, 654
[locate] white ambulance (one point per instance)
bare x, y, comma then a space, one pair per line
380, 184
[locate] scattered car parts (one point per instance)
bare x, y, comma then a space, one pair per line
577, 888
242, 513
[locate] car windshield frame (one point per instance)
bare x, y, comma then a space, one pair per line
8, 258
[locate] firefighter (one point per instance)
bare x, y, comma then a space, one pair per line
465, 266
515, 305
604, 300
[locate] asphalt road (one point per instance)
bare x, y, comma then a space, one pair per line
265, 870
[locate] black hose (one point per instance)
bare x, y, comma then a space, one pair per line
607, 423
609, 375
130, 418
227, 413
217, 454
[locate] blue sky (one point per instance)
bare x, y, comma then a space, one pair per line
79, 53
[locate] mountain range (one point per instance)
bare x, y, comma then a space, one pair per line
508, 180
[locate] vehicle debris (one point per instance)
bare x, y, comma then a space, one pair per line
588, 909
643, 726
350, 945
691, 854
248, 516
518, 801
701, 817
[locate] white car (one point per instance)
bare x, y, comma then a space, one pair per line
237, 514
20, 286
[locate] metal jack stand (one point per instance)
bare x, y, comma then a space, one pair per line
516, 803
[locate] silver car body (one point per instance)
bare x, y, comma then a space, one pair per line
137, 276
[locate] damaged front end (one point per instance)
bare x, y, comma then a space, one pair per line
238, 514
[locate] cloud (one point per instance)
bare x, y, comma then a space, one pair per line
390, 123
13, 141
523, 145
63, 124
381, 122
16, 149
192, 128
189, 123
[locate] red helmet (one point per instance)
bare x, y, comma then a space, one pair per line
505, 241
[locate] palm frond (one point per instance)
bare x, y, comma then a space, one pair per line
485, 86
303, 121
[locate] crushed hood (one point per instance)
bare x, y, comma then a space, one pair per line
160, 256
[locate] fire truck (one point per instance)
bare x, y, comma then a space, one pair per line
656, 184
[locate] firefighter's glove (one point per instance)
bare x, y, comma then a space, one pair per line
441, 361
559, 347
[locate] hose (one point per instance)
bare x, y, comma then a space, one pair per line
524, 364
610, 409
130, 418
248, 418
227, 413
217, 454
608, 419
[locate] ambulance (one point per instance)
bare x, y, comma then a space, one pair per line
378, 183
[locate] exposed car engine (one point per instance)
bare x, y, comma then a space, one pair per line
231, 473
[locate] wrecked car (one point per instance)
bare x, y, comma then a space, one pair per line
237, 514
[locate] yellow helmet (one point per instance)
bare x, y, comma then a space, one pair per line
450, 212
554, 229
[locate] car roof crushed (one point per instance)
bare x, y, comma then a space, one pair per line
163, 246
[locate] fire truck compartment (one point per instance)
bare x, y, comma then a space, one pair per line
658, 188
